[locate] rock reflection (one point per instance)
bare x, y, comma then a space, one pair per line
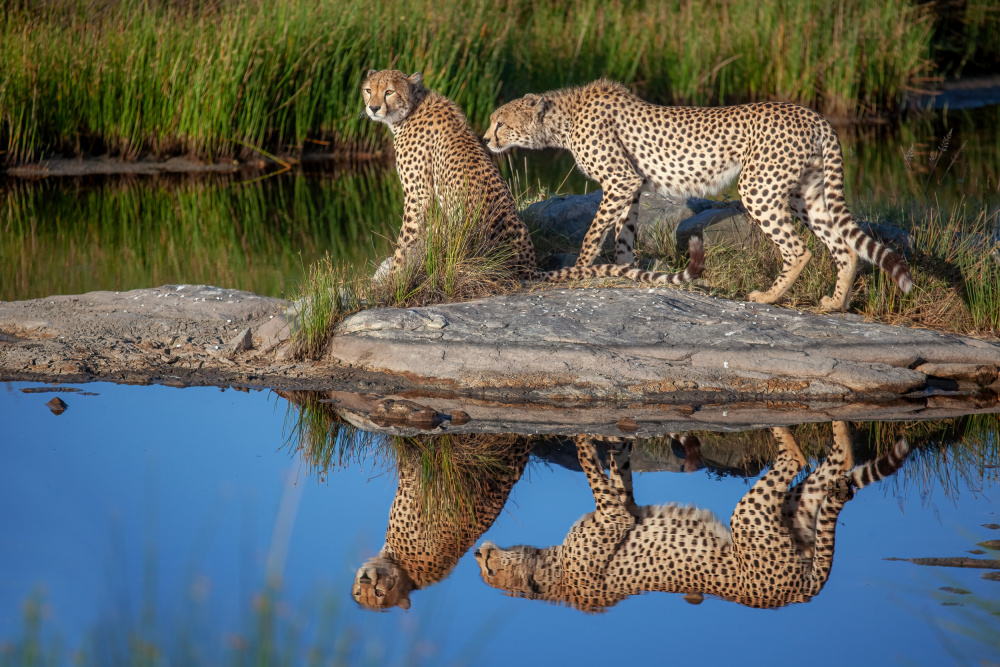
779, 549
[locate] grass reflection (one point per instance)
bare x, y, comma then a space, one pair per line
120, 234
277, 631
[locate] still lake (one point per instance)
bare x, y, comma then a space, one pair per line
154, 525
158, 513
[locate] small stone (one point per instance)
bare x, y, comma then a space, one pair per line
627, 425
402, 413
459, 417
57, 406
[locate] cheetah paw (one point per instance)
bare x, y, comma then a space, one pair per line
831, 303
761, 297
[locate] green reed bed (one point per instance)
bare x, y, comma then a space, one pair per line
831, 56
216, 79
126, 234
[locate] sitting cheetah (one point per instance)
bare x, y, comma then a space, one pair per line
422, 547
438, 155
788, 157
779, 550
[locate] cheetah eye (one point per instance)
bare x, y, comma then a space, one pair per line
379, 592
368, 91
389, 92
499, 125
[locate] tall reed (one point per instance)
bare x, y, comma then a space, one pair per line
214, 79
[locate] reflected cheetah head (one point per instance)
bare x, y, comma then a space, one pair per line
509, 570
390, 95
518, 123
380, 584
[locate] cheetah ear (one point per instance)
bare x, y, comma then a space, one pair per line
416, 79
404, 603
369, 74
542, 107
531, 99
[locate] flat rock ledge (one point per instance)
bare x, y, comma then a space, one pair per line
633, 346
666, 345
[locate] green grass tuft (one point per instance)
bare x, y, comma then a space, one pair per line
457, 260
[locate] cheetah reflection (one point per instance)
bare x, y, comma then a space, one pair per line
778, 551
424, 542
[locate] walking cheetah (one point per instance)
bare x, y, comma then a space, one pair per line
779, 550
422, 547
788, 157
438, 155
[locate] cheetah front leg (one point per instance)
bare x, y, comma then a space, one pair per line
417, 202
625, 232
610, 495
611, 167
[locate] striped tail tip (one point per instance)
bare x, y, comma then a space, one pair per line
885, 465
696, 263
696, 250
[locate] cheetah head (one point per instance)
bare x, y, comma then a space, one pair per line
390, 96
509, 570
518, 123
380, 584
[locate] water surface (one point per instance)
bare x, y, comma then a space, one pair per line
163, 512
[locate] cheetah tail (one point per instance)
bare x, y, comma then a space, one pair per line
863, 475
865, 246
695, 266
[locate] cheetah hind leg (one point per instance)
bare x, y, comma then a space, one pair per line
774, 218
809, 206
802, 507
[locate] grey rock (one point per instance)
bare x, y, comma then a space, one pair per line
896, 238
662, 215
382, 319
241, 342
567, 217
635, 344
716, 226
716, 222
273, 333
557, 261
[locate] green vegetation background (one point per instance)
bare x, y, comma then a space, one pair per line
215, 78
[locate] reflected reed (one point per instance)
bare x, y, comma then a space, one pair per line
71, 237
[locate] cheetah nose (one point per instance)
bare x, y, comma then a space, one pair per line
374, 109
477, 553
365, 579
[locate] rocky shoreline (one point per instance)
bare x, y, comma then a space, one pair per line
533, 357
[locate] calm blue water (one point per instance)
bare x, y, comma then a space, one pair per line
170, 498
